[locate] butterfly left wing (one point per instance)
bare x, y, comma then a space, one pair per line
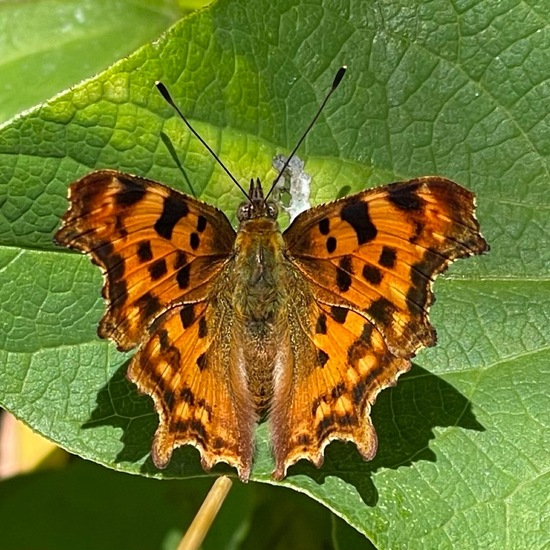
156, 247
162, 253
368, 262
201, 399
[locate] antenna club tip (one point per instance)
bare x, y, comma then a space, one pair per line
164, 91
339, 75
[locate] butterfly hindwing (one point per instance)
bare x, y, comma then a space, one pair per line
338, 368
156, 247
200, 397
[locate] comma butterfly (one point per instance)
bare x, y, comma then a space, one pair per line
305, 326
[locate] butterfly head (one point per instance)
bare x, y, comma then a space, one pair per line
257, 206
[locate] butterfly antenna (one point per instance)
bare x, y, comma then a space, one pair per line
335, 83
168, 98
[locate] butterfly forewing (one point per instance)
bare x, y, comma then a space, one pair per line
378, 251
156, 246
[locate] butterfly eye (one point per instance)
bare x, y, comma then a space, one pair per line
272, 210
244, 212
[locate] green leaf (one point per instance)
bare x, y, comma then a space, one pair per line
432, 88
49, 45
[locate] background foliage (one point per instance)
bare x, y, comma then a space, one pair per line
452, 88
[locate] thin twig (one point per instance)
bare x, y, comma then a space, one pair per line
200, 526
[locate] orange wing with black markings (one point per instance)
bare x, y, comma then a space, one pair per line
157, 247
368, 262
377, 253
162, 253
201, 400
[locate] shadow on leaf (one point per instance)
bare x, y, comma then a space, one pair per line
173, 153
404, 417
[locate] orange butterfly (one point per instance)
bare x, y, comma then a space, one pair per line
305, 327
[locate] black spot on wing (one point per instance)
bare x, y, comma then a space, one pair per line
321, 326
331, 245
339, 314
357, 215
187, 315
201, 223
201, 361
183, 276
203, 328
322, 357
174, 209
194, 240
387, 257
405, 196
130, 191
158, 269
344, 271
324, 226
144, 251
372, 274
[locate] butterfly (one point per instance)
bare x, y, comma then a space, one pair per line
303, 328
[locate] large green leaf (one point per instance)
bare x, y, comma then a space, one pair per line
459, 90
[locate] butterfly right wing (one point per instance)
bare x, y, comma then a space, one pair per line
364, 267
